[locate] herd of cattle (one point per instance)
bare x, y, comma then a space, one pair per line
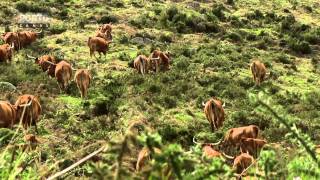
27, 108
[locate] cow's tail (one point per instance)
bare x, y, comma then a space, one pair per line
65, 76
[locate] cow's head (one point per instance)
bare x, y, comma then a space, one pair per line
51, 70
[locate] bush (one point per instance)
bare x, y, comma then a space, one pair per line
166, 38
57, 28
25, 7
300, 46
108, 19
124, 56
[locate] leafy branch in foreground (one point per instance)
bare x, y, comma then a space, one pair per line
264, 101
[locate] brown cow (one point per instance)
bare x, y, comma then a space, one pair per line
234, 135
98, 44
143, 156
27, 37
163, 59
242, 162
259, 71
209, 152
11, 38
7, 114
214, 112
32, 108
140, 63
83, 79
6, 53
44, 61
62, 72
251, 145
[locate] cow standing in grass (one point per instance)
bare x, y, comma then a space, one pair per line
98, 44
27, 37
44, 61
259, 71
32, 107
11, 38
62, 72
7, 114
242, 162
6, 53
83, 79
214, 112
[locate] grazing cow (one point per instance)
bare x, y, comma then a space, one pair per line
214, 112
105, 28
32, 108
251, 145
7, 114
11, 38
44, 61
141, 64
27, 37
258, 71
164, 59
6, 53
242, 162
98, 44
62, 72
83, 79
234, 135
143, 156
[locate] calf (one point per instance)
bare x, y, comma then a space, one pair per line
32, 108
242, 162
258, 71
214, 112
7, 114
251, 145
62, 72
6, 53
83, 79
98, 44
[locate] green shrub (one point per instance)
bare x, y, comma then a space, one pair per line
108, 19
124, 56
300, 46
25, 7
57, 28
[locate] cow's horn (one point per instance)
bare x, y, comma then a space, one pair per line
194, 140
215, 144
203, 104
155, 58
49, 62
28, 104
227, 156
31, 57
224, 104
12, 46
